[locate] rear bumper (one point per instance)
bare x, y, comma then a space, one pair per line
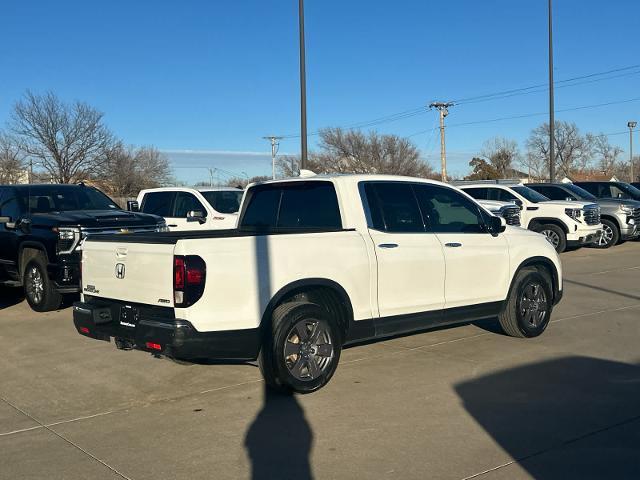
160, 333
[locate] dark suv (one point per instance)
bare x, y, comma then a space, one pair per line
41, 227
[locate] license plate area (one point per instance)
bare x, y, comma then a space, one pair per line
128, 316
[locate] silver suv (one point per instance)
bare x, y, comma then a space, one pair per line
620, 217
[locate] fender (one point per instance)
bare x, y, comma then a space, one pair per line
555, 281
302, 284
552, 220
36, 246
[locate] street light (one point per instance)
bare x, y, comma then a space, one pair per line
552, 124
303, 89
631, 126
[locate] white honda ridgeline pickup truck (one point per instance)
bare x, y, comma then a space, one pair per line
316, 264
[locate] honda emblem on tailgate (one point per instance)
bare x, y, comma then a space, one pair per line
120, 269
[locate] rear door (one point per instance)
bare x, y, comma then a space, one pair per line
477, 263
132, 272
410, 260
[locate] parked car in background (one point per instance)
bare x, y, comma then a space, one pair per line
563, 223
193, 208
317, 263
620, 218
620, 190
41, 227
507, 210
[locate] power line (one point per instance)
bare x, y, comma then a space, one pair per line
542, 87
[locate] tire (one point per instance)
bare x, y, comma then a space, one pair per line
555, 235
610, 235
290, 358
38, 288
519, 317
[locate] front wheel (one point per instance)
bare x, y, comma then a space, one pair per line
302, 352
554, 235
38, 288
610, 235
528, 308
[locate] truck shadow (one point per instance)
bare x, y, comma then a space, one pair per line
10, 296
571, 417
279, 440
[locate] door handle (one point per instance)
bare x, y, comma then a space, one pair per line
388, 245
172, 225
453, 244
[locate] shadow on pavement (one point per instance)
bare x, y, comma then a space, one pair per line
600, 289
572, 417
10, 296
279, 440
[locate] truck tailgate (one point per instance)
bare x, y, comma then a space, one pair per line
133, 272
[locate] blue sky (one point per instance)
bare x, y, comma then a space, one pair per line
215, 76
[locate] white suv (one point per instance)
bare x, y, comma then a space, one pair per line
193, 209
563, 223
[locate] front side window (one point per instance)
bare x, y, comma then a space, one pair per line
158, 203
393, 207
309, 205
447, 211
185, 203
553, 192
530, 194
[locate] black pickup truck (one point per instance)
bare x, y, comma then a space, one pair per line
41, 227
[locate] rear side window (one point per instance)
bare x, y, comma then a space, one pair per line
592, 188
393, 207
478, 193
297, 205
10, 204
158, 203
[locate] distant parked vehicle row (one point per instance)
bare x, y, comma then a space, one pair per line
620, 216
563, 223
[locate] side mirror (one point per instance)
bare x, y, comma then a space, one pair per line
5, 219
568, 199
497, 225
24, 224
196, 216
133, 206
518, 202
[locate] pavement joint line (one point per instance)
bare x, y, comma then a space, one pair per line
613, 271
62, 437
556, 446
627, 307
61, 422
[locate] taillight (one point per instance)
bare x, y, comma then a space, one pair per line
189, 276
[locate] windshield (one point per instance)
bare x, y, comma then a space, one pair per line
530, 194
224, 201
65, 199
581, 192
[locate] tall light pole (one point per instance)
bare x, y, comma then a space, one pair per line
274, 150
303, 89
443, 109
552, 123
631, 126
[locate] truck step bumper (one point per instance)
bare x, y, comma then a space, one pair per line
165, 336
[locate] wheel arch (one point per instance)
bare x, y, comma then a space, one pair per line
613, 219
538, 221
28, 250
325, 292
545, 265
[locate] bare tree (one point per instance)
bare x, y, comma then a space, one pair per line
242, 182
605, 154
126, 171
502, 153
68, 140
12, 167
349, 151
573, 150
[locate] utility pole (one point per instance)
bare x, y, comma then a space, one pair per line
443, 108
552, 123
631, 126
303, 89
211, 170
275, 145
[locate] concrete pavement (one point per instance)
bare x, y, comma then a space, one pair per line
455, 403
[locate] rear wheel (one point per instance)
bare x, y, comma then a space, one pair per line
38, 288
528, 308
610, 235
303, 350
554, 235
